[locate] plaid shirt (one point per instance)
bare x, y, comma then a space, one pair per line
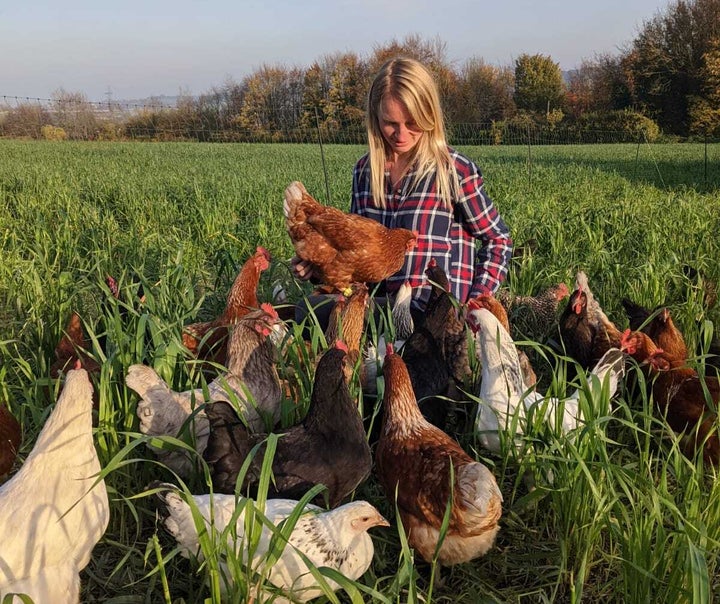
447, 236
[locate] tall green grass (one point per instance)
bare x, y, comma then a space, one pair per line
617, 512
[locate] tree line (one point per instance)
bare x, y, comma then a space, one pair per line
666, 81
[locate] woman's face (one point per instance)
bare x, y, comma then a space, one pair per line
399, 130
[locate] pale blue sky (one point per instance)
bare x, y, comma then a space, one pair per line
139, 48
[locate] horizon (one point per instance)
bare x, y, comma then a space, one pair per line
141, 50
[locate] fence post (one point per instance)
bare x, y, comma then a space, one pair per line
529, 157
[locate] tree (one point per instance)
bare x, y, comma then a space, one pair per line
538, 83
485, 93
599, 84
273, 101
347, 94
75, 114
668, 61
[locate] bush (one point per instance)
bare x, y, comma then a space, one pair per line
53, 133
626, 124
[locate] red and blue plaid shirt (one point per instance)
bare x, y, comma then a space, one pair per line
448, 236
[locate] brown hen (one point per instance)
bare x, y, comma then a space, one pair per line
343, 248
688, 402
207, 339
586, 332
328, 447
423, 470
10, 435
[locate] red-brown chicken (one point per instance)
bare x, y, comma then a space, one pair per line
688, 403
207, 340
424, 470
343, 248
73, 346
347, 323
10, 435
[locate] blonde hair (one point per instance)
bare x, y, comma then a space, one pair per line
408, 81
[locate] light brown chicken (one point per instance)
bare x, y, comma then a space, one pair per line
10, 436
492, 304
207, 340
425, 470
347, 322
688, 403
343, 248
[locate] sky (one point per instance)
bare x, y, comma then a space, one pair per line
134, 49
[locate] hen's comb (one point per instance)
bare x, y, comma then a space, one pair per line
269, 310
389, 349
341, 345
432, 263
261, 250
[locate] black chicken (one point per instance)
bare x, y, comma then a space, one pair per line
328, 447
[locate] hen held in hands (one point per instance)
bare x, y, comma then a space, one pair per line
343, 248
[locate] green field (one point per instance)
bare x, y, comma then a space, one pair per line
626, 518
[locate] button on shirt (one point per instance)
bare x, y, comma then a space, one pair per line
448, 236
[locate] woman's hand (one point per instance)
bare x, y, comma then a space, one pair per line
302, 269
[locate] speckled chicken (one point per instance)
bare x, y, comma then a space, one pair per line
336, 539
55, 508
423, 469
251, 384
343, 248
532, 317
328, 447
208, 339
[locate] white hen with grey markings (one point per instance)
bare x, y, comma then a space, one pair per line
504, 399
336, 539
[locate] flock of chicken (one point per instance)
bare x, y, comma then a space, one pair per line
449, 503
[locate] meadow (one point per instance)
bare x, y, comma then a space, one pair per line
625, 518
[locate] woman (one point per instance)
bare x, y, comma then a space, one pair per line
411, 178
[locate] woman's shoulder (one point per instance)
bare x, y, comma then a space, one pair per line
362, 162
464, 166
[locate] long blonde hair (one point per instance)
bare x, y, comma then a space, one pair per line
409, 82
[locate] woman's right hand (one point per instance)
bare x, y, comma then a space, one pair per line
302, 269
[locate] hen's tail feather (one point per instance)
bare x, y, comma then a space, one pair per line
612, 364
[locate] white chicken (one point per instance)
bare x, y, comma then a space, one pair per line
55, 509
251, 384
506, 401
336, 539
